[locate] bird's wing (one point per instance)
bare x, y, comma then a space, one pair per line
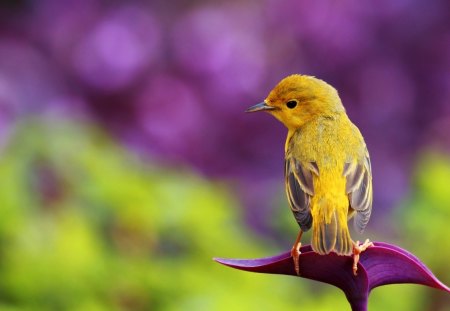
359, 190
300, 189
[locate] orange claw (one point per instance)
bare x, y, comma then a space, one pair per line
357, 250
295, 252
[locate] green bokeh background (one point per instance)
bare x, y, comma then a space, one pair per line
86, 225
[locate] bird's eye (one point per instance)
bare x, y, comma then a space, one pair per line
291, 104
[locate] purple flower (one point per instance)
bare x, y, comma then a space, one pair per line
379, 265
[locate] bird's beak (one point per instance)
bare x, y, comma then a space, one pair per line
260, 107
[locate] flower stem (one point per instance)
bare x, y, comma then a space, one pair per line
358, 303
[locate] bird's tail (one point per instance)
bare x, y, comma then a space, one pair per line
330, 232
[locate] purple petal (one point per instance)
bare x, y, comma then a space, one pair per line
390, 264
379, 265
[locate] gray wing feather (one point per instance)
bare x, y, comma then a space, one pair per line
359, 190
300, 189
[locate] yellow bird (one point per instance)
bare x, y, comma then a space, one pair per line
328, 174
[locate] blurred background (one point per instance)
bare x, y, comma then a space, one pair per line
127, 163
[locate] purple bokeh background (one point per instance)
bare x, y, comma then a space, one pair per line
171, 79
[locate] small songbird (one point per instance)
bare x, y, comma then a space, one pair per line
328, 175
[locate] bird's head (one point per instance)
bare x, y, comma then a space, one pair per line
298, 99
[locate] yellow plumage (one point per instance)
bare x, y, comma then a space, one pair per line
327, 166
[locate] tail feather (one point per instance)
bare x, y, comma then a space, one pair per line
331, 235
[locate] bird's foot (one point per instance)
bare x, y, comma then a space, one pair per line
295, 253
357, 250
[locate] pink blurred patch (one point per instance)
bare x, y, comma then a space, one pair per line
169, 112
120, 47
